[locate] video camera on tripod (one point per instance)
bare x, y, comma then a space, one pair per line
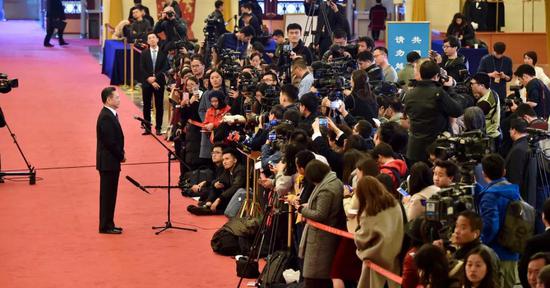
444, 206
7, 84
210, 30
230, 66
472, 145
331, 78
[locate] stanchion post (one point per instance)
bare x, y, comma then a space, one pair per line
131, 68
125, 41
244, 208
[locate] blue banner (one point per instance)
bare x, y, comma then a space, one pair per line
404, 37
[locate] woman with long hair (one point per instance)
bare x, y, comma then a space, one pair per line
379, 236
462, 29
360, 101
346, 267
478, 272
318, 247
433, 267
421, 188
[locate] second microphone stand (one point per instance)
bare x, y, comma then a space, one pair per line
168, 223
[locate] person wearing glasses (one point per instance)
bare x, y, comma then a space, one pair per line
489, 102
380, 55
452, 62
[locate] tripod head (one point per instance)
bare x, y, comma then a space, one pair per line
7, 84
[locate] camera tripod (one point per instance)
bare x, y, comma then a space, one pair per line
32, 171
536, 175
269, 226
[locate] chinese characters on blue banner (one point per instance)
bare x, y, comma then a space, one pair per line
404, 37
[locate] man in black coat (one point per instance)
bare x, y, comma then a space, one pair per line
538, 243
173, 27
154, 65
299, 49
538, 95
55, 19
518, 156
109, 155
429, 107
330, 17
452, 62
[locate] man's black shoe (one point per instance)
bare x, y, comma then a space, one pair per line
146, 133
159, 133
62, 43
199, 211
48, 45
110, 231
118, 228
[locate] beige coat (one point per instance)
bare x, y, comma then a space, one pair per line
378, 239
317, 247
414, 207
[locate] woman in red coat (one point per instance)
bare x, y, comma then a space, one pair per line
218, 109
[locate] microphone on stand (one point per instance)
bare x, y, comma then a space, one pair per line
143, 121
137, 184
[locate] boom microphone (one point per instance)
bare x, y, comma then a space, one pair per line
142, 120
137, 184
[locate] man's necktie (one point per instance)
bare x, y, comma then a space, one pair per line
154, 56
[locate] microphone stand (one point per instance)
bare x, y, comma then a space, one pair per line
168, 223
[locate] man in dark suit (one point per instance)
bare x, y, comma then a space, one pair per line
538, 243
518, 156
55, 19
153, 66
109, 155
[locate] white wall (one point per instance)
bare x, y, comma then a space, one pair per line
202, 9
440, 13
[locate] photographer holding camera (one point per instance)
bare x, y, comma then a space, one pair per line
466, 238
140, 27
428, 106
338, 47
174, 28
451, 61
239, 41
538, 95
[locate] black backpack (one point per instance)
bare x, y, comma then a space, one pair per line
277, 263
518, 226
227, 240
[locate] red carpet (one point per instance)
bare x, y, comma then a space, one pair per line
49, 232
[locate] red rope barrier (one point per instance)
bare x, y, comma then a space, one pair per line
388, 274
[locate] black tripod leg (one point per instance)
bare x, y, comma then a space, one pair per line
260, 236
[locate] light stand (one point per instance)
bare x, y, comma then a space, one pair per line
168, 223
31, 173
